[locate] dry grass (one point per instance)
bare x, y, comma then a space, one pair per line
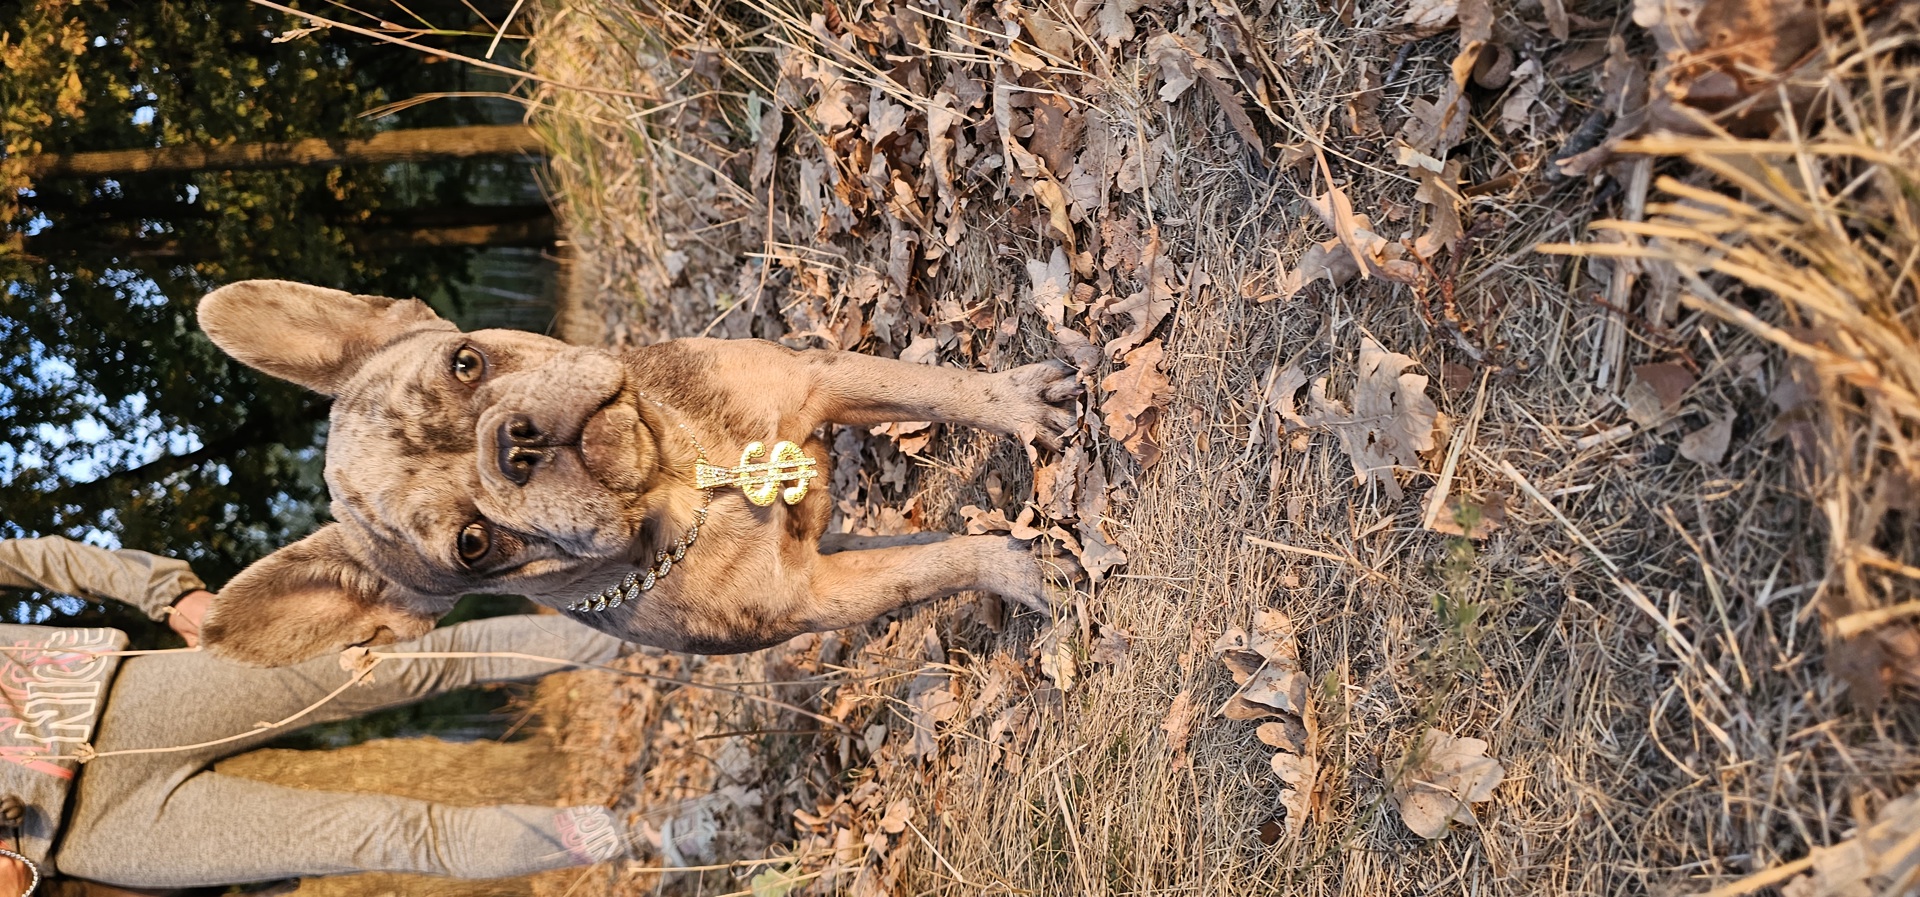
1667, 722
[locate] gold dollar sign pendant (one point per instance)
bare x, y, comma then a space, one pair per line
761, 480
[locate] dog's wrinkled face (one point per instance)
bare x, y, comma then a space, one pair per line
464, 462
458, 462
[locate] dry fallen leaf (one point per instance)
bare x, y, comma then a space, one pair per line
1096, 552
1441, 780
899, 813
1268, 670
933, 703
1136, 400
1277, 391
1516, 113
1668, 381
1151, 304
1115, 23
931, 697
1179, 722
1363, 110
1052, 285
1329, 260
1176, 65
1054, 649
1266, 663
1392, 420
1708, 445
1297, 774
1484, 516
1428, 17
1717, 55
1373, 254
1110, 647
1872, 862
980, 522
1440, 190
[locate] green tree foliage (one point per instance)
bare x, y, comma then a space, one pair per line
116, 414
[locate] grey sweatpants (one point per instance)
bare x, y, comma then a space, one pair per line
166, 820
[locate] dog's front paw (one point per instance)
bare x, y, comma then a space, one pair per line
1042, 408
1011, 571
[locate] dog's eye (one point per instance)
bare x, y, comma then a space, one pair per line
474, 543
469, 365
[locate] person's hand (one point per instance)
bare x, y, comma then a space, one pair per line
187, 614
14, 877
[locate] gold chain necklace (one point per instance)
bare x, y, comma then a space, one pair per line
760, 481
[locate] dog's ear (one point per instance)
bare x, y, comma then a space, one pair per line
307, 599
310, 335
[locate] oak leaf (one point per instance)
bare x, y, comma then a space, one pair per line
1115, 21
1430, 16
1151, 304
1266, 664
1441, 779
1392, 420
1516, 112
1137, 396
1440, 190
1273, 687
1297, 774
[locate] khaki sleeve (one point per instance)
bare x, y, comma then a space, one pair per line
147, 581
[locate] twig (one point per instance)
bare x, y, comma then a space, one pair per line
1437, 499
1613, 341
941, 857
1858, 622
1323, 555
502, 32
1604, 437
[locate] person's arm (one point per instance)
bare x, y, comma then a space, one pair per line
152, 583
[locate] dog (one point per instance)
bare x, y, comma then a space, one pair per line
599, 484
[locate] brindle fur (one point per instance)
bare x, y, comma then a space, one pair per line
412, 460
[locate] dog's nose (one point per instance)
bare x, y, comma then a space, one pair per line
519, 429
518, 449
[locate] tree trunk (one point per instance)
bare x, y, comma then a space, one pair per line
417, 145
537, 232
387, 231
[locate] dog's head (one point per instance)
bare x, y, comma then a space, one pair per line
458, 462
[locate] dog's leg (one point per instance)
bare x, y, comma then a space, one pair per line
1033, 401
852, 587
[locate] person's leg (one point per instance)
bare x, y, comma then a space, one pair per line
170, 700
218, 830
182, 700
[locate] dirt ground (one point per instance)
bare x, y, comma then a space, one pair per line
1623, 617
